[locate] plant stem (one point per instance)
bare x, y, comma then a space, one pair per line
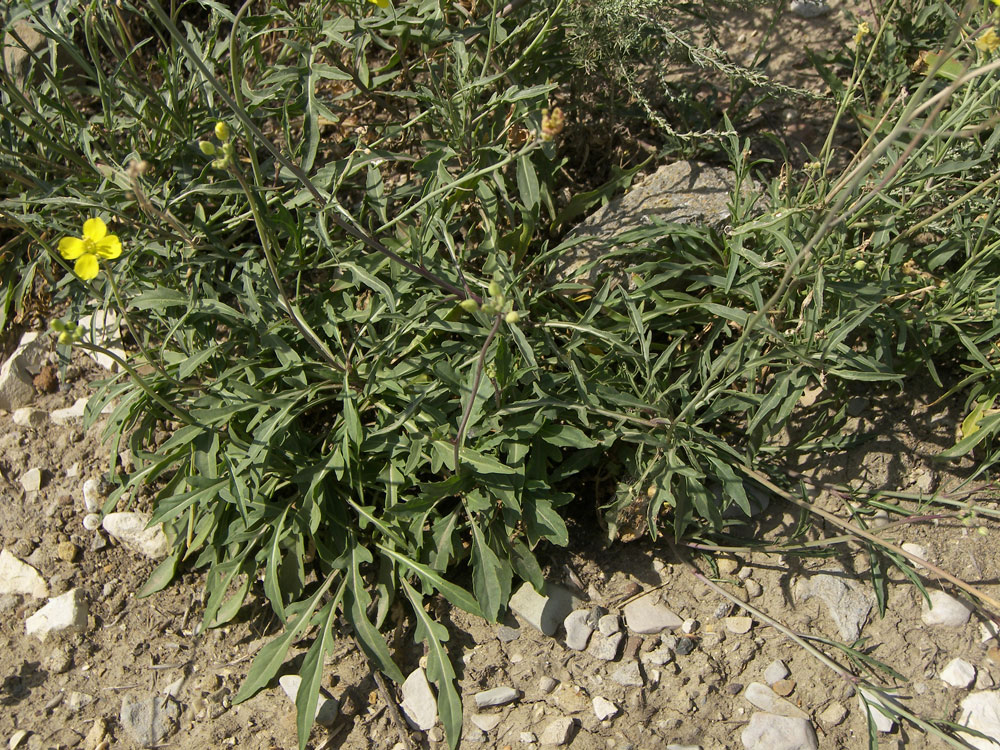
480, 365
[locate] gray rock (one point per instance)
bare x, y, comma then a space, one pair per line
658, 656
18, 577
149, 721
31, 480
327, 708
605, 647
547, 684
873, 706
507, 634
66, 613
16, 387
738, 625
609, 625
847, 601
772, 732
776, 670
604, 709
96, 735
545, 611
944, 611
70, 413
578, 629
628, 674
76, 700
765, 699
959, 673
981, 712
833, 714
753, 588
809, 8
916, 549
557, 732
131, 530
984, 680
419, 704
486, 722
527, 738
683, 192
645, 616
28, 416
497, 696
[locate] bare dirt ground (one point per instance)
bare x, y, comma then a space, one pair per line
59, 689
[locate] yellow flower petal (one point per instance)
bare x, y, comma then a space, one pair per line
70, 247
94, 229
86, 266
109, 247
380, 3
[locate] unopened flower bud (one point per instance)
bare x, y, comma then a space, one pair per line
207, 148
495, 291
65, 338
512, 317
860, 265
489, 308
57, 325
222, 131
469, 305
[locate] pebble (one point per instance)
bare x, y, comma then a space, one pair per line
783, 688
658, 657
66, 613
418, 703
130, 529
497, 696
959, 673
557, 732
16, 388
738, 625
31, 480
528, 738
684, 646
689, 626
628, 674
604, 709
149, 721
77, 700
645, 616
435, 734
59, 660
92, 495
984, 680
753, 588
326, 708
762, 697
605, 647
486, 722
833, 714
507, 634
987, 631
547, 684
91, 522
771, 732
578, 629
915, 549
16, 739
981, 712
17, 577
944, 611
70, 413
544, 612
813, 9
28, 416
67, 551
869, 703
571, 699
609, 625
847, 603
727, 566
776, 670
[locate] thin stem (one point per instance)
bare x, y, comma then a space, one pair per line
480, 365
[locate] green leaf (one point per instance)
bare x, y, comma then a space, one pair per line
161, 576
356, 602
527, 182
307, 698
453, 593
986, 427
487, 575
439, 669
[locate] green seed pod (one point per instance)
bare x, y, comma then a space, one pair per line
860, 265
495, 291
222, 131
469, 305
65, 338
512, 317
57, 325
207, 148
489, 308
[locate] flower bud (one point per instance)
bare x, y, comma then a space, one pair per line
57, 325
222, 131
512, 317
495, 291
860, 265
207, 148
65, 338
489, 308
469, 305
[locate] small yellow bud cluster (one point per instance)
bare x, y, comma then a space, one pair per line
224, 153
493, 306
68, 334
988, 41
863, 30
552, 123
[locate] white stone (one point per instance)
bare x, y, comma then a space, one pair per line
870, 703
645, 616
944, 611
959, 673
981, 712
528, 738
772, 732
497, 696
557, 732
18, 577
915, 549
419, 704
92, 495
546, 611
628, 674
809, 9
738, 625
753, 588
91, 522
605, 646
578, 629
16, 739
987, 630
66, 613
16, 387
130, 529
326, 708
833, 714
609, 625
547, 684
765, 699
28, 416
31, 480
689, 626
776, 670
658, 657
486, 722
604, 709
70, 413
847, 601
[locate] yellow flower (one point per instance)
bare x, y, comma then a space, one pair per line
988, 41
863, 30
380, 3
96, 242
